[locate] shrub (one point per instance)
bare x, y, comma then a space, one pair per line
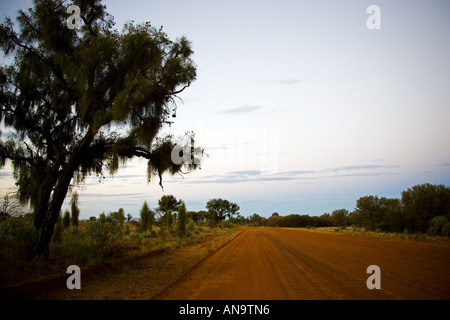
75, 246
190, 226
16, 238
383, 226
181, 222
106, 233
446, 230
146, 235
135, 236
147, 217
439, 225
226, 224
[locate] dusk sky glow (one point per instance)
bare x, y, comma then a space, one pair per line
300, 107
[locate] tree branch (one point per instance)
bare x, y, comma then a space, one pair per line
181, 90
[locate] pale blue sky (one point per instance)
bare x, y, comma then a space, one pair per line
301, 108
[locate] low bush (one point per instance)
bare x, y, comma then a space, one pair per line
100, 239
16, 238
106, 231
439, 226
75, 247
226, 224
147, 234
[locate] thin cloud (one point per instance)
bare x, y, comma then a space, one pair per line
442, 165
296, 173
366, 167
6, 175
366, 174
285, 81
254, 176
246, 173
243, 109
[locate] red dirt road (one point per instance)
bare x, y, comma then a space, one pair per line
269, 263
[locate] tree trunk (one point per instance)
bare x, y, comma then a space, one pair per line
45, 232
41, 208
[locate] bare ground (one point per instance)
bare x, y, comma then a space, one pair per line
265, 263
269, 263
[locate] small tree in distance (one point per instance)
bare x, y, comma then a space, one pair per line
146, 217
75, 211
66, 219
166, 206
181, 223
219, 209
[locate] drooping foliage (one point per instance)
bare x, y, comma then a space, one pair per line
81, 102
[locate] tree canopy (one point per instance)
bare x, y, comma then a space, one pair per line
219, 209
79, 102
167, 205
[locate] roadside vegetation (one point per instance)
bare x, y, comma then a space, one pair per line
103, 240
423, 212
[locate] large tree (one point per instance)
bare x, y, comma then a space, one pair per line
79, 102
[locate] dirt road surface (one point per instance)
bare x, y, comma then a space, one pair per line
270, 263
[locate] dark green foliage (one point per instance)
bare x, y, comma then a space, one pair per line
75, 247
322, 221
119, 216
66, 219
340, 217
75, 211
197, 216
423, 208
59, 229
226, 224
422, 203
82, 102
219, 209
106, 234
16, 238
181, 221
439, 225
147, 217
256, 220
295, 221
168, 205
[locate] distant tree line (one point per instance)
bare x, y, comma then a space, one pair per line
424, 208
171, 211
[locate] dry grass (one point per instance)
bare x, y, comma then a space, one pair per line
354, 231
132, 246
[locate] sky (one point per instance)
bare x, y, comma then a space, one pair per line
300, 106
